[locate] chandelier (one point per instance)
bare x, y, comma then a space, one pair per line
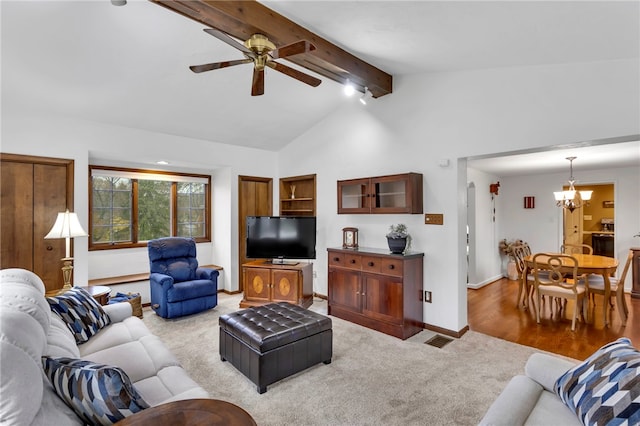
571, 199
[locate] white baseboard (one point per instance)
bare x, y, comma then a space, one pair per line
485, 282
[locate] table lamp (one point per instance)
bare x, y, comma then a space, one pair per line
67, 226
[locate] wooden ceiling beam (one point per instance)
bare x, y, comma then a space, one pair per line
242, 19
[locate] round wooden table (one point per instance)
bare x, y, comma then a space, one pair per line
99, 292
591, 264
192, 412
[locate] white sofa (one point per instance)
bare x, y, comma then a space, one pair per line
29, 330
530, 400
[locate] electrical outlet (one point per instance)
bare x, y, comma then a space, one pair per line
427, 296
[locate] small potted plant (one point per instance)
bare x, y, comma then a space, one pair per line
398, 238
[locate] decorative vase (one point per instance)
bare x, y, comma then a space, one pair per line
397, 245
512, 270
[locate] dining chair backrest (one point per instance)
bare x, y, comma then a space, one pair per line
562, 270
527, 249
519, 253
576, 249
626, 268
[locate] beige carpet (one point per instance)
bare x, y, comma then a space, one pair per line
373, 379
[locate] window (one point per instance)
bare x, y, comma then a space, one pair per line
129, 207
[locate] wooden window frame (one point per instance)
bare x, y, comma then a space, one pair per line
134, 206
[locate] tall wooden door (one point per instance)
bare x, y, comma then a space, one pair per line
34, 190
255, 195
573, 226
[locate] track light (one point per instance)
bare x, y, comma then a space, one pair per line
349, 89
365, 96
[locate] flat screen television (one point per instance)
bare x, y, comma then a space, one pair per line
281, 237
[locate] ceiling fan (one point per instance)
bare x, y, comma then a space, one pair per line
262, 52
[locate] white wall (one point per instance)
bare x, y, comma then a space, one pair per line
455, 115
488, 260
94, 143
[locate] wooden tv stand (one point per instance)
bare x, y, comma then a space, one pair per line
265, 282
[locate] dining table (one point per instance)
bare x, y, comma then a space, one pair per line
587, 264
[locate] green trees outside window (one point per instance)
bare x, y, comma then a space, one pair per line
130, 207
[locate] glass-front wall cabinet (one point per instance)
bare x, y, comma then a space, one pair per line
384, 194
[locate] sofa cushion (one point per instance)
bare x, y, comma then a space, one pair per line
80, 311
99, 394
60, 340
605, 387
129, 330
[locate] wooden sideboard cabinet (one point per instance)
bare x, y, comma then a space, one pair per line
635, 273
265, 282
376, 289
383, 194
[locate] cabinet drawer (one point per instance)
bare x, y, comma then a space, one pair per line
371, 264
391, 267
345, 260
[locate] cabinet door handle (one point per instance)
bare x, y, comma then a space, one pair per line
392, 266
357, 293
336, 259
362, 294
353, 261
370, 264
49, 248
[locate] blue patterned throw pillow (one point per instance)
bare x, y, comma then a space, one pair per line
605, 388
80, 311
99, 394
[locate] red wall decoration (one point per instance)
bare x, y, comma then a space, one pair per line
529, 202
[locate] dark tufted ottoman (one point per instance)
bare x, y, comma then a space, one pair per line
270, 342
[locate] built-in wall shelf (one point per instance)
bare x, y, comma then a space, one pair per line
298, 195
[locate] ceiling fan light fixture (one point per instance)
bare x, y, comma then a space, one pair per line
349, 89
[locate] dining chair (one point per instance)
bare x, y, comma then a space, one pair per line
559, 283
525, 283
526, 286
576, 249
595, 285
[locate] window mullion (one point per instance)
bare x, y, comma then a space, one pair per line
174, 209
134, 211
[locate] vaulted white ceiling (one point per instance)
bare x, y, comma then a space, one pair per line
128, 65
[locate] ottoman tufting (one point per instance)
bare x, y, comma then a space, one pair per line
270, 342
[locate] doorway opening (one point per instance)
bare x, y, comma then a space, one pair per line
594, 222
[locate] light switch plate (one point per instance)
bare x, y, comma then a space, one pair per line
434, 219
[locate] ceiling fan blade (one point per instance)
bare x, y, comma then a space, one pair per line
218, 65
305, 78
227, 39
257, 86
302, 46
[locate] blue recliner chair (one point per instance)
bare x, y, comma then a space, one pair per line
178, 286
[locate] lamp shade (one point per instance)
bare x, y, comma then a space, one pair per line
586, 195
67, 226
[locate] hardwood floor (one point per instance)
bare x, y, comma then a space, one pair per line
492, 310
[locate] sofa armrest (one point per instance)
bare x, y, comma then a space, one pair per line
118, 312
207, 274
546, 369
